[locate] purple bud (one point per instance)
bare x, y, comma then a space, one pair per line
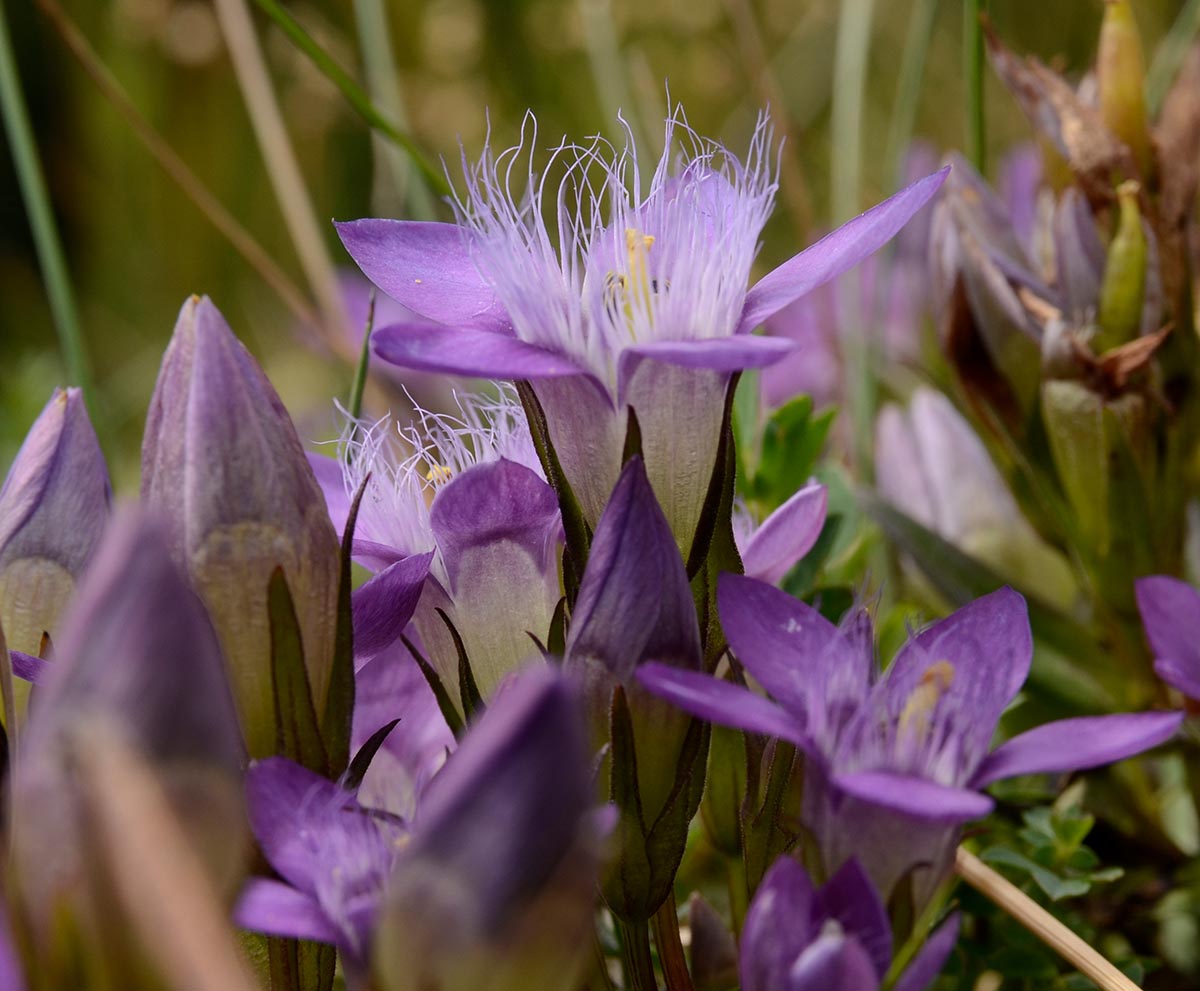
221, 461
53, 508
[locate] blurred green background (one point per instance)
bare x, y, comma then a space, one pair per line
137, 246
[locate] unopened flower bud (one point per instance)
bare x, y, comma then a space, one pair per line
222, 462
53, 507
1123, 290
1121, 75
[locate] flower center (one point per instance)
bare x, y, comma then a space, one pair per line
438, 474
918, 710
635, 290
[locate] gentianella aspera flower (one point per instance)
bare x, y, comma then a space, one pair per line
607, 299
897, 761
1170, 611
465, 495
799, 937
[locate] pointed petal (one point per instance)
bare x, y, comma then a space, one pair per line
1077, 744
836, 252
913, 796
35, 670
276, 909
786, 535
851, 898
382, 606
832, 962
931, 958
718, 354
1170, 611
789, 647
768, 948
720, 702
427, 267
468, 351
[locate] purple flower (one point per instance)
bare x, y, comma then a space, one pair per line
1170, 611
222, 463
465, 493
932, 465
770, 549
607, 301
833, 938
53, 508
139, 656
896, 762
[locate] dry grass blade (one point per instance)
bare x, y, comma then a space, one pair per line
160, 882
1041, 923
195, 190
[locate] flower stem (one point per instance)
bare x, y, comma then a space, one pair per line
635, 956
41, 220
739, 896
1041, 923
670, 948
364, 359
973, 70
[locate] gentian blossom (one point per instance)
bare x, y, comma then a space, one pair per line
53, 508
1170, 611
465, 495
895, 761
770, 549
798, 937
606, 299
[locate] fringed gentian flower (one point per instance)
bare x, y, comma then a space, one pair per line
1170, 611
138, 658
467, 494
896, 762
223, 465
770, 549
53, 508
606, 300
834, 938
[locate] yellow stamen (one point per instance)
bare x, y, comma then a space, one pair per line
438, 474
934, 683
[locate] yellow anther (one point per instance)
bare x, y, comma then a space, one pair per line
438, 474
935, 682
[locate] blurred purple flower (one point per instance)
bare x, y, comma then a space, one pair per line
631, 302
1170, 611
465, 494
833, 938
53, 508
223, 465
896, 761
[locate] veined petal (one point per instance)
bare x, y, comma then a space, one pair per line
427, 267
851, 898
718, 354
914, 796
836, 252
469, 351
786, 535
35, 670
789, 647
930, 959
276, 909
768, 948
1077, 744
1170, 611
720, 702
382, 606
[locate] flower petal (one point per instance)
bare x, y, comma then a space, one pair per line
930, 959
786, 535
768, 948
720, 702
35, 670
836, 252
468, 351
328, 472
913, 796
789, 647
851, 898
718, 354
382, 606
832, 962
1077, 744
1170, 611
428, 268
276, 909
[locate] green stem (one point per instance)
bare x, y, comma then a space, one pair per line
973, 61
908, 87
600, 979
636, 961
739, 894
364, 359
670, 947
41, 220
353, 93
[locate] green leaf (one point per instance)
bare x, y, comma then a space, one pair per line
793, 439
337, 721
717, 510
298, 735
1055, 887
366, 753
801, 579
